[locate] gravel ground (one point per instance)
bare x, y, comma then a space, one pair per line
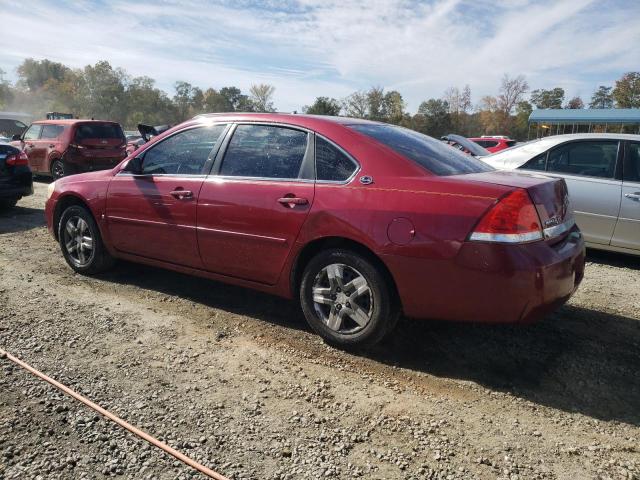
236, 380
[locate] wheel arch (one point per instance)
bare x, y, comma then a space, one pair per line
318, 245
62, 204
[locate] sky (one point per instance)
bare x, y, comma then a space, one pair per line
310, 48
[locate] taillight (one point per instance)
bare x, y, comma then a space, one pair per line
513, 219
17, 160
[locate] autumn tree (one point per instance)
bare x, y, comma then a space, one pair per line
627, 91
575, 103
356, 105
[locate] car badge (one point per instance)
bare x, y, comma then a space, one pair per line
104, 142
366, 180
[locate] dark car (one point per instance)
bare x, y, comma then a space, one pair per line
64, 147
358, 220
15, 176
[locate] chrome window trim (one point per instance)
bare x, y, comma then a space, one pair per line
347, 154
260, 179
506, 237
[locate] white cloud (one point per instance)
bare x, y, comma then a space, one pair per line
308, 48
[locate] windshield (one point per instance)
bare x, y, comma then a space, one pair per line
434, 155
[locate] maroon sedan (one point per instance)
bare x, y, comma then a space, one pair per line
360, 220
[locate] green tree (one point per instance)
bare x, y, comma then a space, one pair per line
262, 97
433, 117
521, 122
393, 107
34, 74
553, 98
324, 106
103, 89
6, 93
183, 99
602, 98
376, 106
627, 91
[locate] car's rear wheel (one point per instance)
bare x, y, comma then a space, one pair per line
347, 299
81, 242
58, 169
7, 203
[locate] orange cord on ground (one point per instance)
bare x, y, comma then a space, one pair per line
145, 436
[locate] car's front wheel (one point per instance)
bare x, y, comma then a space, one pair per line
347, 299
81, 242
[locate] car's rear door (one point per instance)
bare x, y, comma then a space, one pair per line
33, 149
627, 232
589, 168
252, 207
153, 214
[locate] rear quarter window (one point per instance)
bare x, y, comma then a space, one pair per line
98, 130
433, 155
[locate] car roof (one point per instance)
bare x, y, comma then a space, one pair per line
70, 121
520, 154
292, 118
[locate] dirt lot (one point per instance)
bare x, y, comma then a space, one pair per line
236, 380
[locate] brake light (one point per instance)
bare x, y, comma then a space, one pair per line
513, 219
19, 159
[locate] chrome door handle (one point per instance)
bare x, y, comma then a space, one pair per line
182, 194
293, 201
633, 196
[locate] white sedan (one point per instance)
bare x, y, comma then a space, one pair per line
602, 172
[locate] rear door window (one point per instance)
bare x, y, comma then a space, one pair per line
332, 164
184, 153
590, 158
51, 131
265, 151
536, 163
433, 155
631, 169
33, 133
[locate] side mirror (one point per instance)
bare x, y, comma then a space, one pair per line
134, 166
16, 137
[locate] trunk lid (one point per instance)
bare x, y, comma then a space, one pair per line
549, 195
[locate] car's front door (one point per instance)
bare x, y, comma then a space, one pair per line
32, 147
589, 168
252, 207
153, 214
627, 232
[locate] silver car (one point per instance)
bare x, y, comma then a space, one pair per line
602, 172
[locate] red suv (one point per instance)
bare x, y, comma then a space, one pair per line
358, 220
65, 147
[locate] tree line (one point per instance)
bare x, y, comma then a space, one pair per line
102, 91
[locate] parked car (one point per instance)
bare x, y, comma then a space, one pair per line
602, 172
359, 220
15, 176
64, 147
494, 144
465, 145
9, 127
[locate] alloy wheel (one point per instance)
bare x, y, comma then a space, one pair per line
342, 298
78, 241
57, 170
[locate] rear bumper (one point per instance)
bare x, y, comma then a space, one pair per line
17, 186
491, 283
84, 163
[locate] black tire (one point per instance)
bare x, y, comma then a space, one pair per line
379, 303
58, 169
98, 258
7, 203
